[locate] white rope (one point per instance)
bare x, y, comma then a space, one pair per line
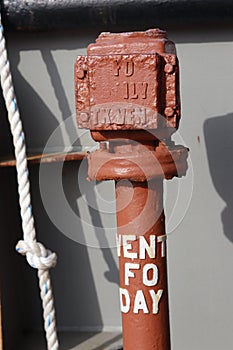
36, 254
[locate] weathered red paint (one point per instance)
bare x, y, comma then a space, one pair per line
129, 81
127, 93
143, 330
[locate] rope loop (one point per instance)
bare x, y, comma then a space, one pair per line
37, 255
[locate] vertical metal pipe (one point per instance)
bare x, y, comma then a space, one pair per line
127, 93
142, 263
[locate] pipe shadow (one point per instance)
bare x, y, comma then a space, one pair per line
37, 130
112, 274
219, 146
76, 297
62, 100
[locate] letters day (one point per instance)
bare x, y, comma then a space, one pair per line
149, 273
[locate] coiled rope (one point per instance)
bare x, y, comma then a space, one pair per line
36, 254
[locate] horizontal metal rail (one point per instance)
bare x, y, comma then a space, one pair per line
46, 15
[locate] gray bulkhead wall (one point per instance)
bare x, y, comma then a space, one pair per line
199, 207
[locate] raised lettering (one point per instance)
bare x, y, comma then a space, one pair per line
155, 275
124, 304
145, 247
103, 116
129, 70
144, 87
118, 243
133, 91
116, 116
128, 246
129, 116
125, 90
140, 116
155, 299
140, 303
129, 273
162, 240
116, 68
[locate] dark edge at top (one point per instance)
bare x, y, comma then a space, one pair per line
62, 15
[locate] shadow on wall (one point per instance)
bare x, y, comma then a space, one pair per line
11, 265
112, 274
219, 144
38, 116
60, 96
73, 258
76, 295
72, 193
31, 106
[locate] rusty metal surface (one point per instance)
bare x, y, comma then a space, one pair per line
46, 158
128, 84
122, 91
138, 165
145, 326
